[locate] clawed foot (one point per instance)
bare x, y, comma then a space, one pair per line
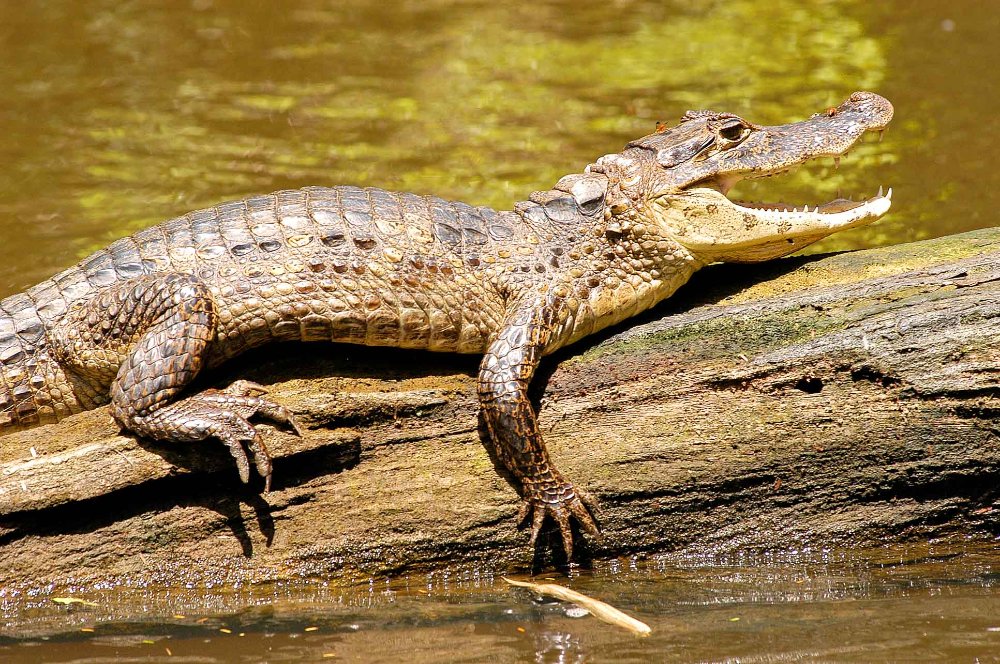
248, 402
243, 398
562, 505
224, 415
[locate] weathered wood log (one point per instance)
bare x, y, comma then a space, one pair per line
847, 399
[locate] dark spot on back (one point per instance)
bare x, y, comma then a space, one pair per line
366, 242
447, 234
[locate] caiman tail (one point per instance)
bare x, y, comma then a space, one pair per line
33, 388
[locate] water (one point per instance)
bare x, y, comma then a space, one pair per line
912, 603
115, 115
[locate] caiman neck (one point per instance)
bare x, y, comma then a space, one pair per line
611, 260
636, 265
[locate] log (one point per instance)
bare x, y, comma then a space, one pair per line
843, 400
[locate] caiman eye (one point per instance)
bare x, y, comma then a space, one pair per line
734, 132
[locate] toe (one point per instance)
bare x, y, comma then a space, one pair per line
585, 518
562, 518
538, 518
242, 462
294, 423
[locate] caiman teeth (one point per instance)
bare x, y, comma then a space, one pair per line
839, 204
835, 212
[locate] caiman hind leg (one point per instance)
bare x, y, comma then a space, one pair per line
148, 338
504, 376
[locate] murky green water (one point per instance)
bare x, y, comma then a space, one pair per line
115, 115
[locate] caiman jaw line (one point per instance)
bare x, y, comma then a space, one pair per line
835, 213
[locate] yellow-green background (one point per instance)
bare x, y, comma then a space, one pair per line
115, 115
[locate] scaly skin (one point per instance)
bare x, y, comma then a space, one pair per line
133, 324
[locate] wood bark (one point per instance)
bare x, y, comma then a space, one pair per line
808, 402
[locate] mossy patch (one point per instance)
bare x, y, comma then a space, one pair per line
722, 337
857, 266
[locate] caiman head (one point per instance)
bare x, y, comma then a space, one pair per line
675, 181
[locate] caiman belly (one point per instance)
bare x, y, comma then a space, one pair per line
369, 305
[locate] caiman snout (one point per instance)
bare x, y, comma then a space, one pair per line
874, 110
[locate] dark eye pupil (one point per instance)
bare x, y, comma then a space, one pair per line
732, 132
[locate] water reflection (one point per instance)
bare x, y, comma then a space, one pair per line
911, 602
558, 648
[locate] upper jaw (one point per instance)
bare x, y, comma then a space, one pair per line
770, 150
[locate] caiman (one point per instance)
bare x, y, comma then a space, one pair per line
133, 324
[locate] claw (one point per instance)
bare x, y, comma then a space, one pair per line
262, 459
294, 423
242, 462
245, 388
577, 504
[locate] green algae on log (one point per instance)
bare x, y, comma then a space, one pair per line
838, 400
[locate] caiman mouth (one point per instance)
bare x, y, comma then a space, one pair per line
837, 212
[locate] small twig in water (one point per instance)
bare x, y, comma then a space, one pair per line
601, 610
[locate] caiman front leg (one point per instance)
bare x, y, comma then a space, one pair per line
504, 376
148, 338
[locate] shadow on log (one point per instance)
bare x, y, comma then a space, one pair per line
840, 400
